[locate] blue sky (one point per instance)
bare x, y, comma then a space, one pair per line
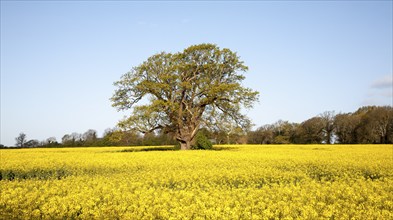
59, 59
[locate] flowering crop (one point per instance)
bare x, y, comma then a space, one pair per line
235, 182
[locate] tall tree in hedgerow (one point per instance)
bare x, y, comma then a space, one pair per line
182, 91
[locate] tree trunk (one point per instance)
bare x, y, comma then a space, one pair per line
328, 137
185, 145
185, 136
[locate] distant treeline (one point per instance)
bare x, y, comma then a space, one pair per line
111, 137
368, 125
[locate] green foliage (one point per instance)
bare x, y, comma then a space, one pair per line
280, 139
177, 146
202, 142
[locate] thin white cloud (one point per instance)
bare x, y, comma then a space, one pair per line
380, 92
383, 82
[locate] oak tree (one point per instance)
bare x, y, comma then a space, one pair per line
180, 92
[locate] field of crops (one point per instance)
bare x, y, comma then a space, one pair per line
232, 182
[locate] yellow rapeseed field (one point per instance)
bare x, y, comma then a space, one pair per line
233, 182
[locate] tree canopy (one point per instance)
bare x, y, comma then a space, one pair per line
185, 91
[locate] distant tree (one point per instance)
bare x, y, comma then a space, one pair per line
72, 140
310, 131
278, 127
364, 110
89, 137
382, 123
184, 90
66, 140
32, 143
291, 131
50, 142
130, 138
165, 138
108, 131
346, 126
262, 135
21, 140
149, 139
77, 138
117, 137
376, 125
283, 132
328, 124
106, 138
